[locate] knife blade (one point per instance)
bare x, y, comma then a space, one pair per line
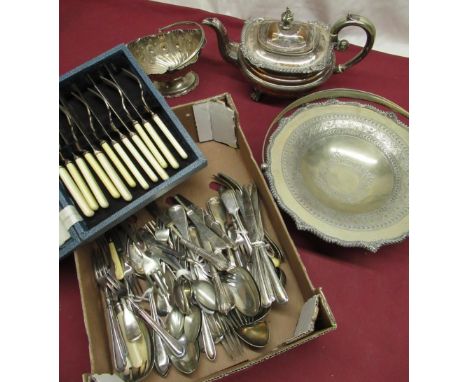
249, 214
200, 217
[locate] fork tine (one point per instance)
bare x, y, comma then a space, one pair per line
226, 180
226, 341
235, 337
224, 185
235, 318
97, 265
234, 183
227, 349
229, 336
112, 281
244, 319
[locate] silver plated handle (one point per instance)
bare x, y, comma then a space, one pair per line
208, 343
280, 293
218, 229
222, 296
259, 276
118, 347
205, 232
218, 261
161, 359
348, 21
158, 278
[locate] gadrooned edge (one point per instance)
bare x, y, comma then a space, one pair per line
315, 67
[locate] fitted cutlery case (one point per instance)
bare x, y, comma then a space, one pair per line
213, 124
75, 227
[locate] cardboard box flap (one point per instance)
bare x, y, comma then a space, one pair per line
215, 121
309, 313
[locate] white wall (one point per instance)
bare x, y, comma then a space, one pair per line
390, 17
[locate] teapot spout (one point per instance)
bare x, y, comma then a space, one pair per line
229, 50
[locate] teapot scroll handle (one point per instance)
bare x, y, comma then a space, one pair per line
358, 21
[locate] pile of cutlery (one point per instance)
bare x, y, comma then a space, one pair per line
188, 279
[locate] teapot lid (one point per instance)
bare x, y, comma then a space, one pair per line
287, 45
286, 36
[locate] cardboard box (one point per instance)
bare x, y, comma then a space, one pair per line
282, 320
80, 229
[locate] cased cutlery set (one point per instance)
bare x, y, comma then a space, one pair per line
120, 145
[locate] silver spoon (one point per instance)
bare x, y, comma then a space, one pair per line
176, 348
208, 343
204, 294
175, 323
182, 294
192, 324
161, 361
256, 335
132, 329
223, 298
188, 363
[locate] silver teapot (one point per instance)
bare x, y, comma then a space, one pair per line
289, 58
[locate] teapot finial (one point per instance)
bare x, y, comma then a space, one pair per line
287, 17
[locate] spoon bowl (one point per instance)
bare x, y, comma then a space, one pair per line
256, 335
182, 295
192, 324
204, 294
189, 362
175, 323
244, 291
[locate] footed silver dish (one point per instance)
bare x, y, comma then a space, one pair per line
168, 55
340, 169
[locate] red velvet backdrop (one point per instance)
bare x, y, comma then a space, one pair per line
368, 293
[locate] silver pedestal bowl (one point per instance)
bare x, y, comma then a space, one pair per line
340, 169
168, 55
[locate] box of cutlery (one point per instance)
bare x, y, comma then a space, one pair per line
121, 146
240, 335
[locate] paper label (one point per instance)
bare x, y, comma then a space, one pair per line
68, 216
63, 233
105, 378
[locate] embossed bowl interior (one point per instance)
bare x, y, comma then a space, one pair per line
164, 55
340, 169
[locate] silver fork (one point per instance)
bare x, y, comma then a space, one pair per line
118, 348
232, 206
229, 335
120, 291
239, 320
230, 183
